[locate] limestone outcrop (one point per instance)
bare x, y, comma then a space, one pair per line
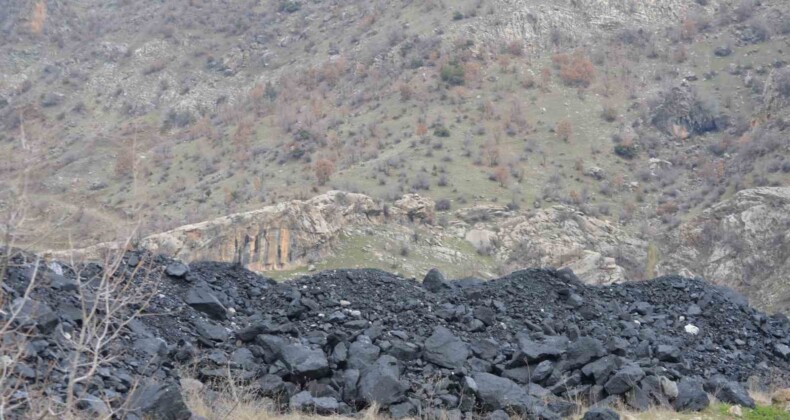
743, 243
277, 237
558, 236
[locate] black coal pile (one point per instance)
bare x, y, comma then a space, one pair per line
534, 343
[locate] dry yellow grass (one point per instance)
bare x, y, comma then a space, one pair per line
234, 402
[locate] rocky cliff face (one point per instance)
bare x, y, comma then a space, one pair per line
543, 23
558, 236
743, 242
277, 237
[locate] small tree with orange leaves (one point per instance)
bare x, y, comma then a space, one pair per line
564, 130
324, 168
124, 162
578, 71
545, 79
501, 175
38, 17
421, 130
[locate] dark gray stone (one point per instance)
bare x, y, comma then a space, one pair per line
667, 353
728, 391
486, 349
362, 354
271, 386
177, 269
691, 396
202, 299
486, 315
583, 351
601, 413
601, 369
304, 362
444, 349
550, 347
380, 383
32, 313
624, 380
159, 401
403, 410
404, 351
303, 401
434, 281
210, 331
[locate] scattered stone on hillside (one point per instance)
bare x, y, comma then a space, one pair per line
722, 51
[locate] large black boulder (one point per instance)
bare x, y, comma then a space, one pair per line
624, 379
583, 351
202, 299
601, 413
158, 401
434, 281
497, 393
381, 383
728, 391
691, 396
444, 349
304, 362
550, 347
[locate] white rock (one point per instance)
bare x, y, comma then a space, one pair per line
736, 411
668, 387
345, 303
692, 329
56, 268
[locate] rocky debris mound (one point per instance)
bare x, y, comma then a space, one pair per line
535, 342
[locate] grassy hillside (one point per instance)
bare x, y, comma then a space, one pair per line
142, 114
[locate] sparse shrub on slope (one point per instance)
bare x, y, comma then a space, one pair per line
577, 70
681, 108
452, 73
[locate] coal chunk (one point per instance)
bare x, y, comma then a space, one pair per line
202, 299
728, 391
601, 413
176, 269
443, 348
159, 401
434, 281
304, 362
691, 396
380, 382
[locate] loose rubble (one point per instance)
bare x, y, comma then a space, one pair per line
533, 343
